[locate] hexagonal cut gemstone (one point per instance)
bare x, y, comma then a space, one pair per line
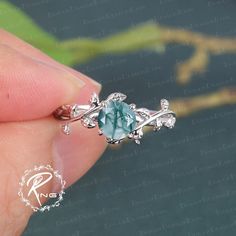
116, 120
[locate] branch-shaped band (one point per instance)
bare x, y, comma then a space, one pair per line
116, 119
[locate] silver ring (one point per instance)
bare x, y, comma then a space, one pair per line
116, 119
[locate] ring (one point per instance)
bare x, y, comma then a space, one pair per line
116, 119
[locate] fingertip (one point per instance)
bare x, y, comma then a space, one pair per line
33, 89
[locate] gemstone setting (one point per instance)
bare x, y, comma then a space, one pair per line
116, 120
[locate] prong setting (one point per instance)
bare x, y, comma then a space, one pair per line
88, 115
132, 106
100, 132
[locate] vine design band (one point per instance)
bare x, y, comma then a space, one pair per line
116, 119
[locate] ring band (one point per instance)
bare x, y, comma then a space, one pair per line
116, 119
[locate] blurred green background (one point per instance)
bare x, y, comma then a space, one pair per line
177, 182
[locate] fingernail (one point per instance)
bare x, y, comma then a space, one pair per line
85, 78
76, 76
67, 75
95, 83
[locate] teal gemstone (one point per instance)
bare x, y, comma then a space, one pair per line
116, 120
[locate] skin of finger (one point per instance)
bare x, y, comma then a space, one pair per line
20, 158
23, 47
22, 146
83, 95
82, 163
75, 150
31, 143
33, 86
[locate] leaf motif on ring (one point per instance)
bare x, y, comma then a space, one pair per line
88, 122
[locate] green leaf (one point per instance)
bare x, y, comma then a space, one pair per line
144, 36
141, 37
15, 21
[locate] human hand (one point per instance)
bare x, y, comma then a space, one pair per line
32, 86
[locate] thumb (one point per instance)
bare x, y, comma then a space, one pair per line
30, 92
33, 143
